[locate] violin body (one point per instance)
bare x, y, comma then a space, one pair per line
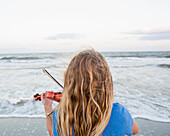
55, 96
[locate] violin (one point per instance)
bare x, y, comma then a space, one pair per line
55, 96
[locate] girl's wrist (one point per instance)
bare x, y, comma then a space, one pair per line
48, 109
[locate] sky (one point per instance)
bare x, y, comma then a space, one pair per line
72, 25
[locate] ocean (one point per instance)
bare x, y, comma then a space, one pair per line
141, 82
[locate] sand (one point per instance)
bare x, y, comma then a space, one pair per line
23, 127
37, 127
152, 128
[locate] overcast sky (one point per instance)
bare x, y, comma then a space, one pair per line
70, 25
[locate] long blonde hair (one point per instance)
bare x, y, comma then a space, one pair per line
86, 105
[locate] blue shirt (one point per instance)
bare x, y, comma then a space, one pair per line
120, 122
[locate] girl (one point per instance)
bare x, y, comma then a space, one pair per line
86, 107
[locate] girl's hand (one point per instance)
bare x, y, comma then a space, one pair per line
46, 102
48, 108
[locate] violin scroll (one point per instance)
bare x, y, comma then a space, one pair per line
37, 96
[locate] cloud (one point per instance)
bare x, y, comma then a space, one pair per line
156, 37
152, 34
65, 36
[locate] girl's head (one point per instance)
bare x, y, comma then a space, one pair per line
87, 99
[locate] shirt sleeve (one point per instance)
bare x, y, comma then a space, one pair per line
120, 122
54, 123
129, 122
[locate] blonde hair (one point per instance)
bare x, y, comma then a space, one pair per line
87, 100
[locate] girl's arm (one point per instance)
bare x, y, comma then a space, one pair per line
135, 128
48, 108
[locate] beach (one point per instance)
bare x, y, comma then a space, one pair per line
37, 127
23, 127
152, 128
140, 80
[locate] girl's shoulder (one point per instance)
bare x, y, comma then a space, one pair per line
120, 122
118, 108
120, 112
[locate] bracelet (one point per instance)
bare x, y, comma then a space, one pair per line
47, 114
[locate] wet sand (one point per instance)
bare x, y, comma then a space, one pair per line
23, 127
37, 127
152, 128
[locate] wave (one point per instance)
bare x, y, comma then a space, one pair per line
136, 66
158, 54
152, 118
20, 58
32, 68
16, 101
167, 56
6, 58
29, 56
142, 56
21, 116
127, 56
165, 65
